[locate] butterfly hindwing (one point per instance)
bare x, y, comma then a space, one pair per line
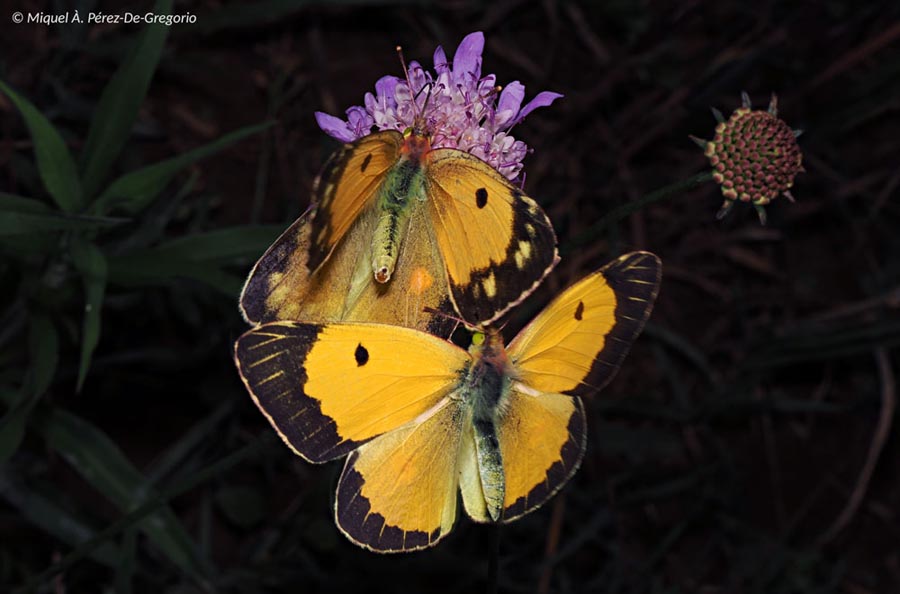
497, 243
279, 279
535, 469
575, 346
327, 388
399, 491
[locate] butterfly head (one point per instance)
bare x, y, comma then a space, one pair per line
487, 345
416, 140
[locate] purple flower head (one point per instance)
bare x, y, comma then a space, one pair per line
459, 107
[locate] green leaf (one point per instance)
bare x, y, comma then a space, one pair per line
13, 223
118, 107
198, 257
55, 163
222, 245
102, 464
29, 220
91, 263
43, 350
125, 571
147, 269
14, 203
134, 191
47, 515
12, 425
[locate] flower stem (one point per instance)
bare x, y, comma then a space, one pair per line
624, 210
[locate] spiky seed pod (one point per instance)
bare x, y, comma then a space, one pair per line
754, 156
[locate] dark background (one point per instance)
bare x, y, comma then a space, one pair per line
747, 443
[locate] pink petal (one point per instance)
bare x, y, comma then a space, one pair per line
467, 58
509, 103
440, 61
334, 127
359, 121
384, 88
542, 99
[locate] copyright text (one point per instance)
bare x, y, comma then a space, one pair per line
74, 17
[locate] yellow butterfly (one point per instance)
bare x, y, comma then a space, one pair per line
422, 418
402, 231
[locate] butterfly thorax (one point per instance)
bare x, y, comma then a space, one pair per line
486, 390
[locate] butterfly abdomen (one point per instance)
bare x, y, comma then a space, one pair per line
487, 388
402, 186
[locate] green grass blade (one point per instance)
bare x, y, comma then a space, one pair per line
43, 351
119, 104
136, 190
55, 164
91, 263
146, 270
14, 224
222, 245
125, 571
14, 203
199, 257
48, 516
12, 424
261, 443
100, 461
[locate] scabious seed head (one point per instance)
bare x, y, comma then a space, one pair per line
458, 107
754, 157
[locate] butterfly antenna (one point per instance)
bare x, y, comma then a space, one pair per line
415, 106
448, 316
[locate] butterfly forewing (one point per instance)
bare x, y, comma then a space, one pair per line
575, 346
496, 242
327, 388
348, 184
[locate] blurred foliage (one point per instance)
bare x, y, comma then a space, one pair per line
727, 455
87, 241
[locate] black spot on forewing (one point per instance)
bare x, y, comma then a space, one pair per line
513, 280
361, 354
579, 311
270, 359
481, 197
365, 163
634, 278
